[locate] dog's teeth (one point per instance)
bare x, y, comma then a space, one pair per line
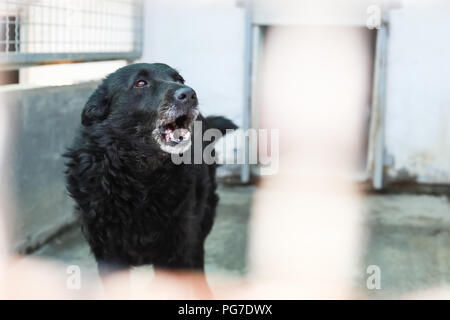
172, 137
177, 136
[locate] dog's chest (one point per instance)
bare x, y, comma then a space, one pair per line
157, 216
159, 199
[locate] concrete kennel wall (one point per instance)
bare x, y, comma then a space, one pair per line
45, 120
417, 122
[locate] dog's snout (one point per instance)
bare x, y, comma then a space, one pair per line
186, 95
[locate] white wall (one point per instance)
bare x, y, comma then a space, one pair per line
418, 95
204, 41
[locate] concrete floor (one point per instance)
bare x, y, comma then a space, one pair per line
225, 246
408, 239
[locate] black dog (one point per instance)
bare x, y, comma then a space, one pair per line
135, 205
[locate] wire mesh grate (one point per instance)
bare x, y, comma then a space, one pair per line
37, 31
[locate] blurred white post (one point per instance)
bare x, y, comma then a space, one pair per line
305, 231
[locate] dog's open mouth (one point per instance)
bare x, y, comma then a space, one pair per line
176, 131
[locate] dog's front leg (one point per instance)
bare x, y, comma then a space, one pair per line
110, 272
187, 274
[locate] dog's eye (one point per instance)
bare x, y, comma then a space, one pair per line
178, 79
140, 83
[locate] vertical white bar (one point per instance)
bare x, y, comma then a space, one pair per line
68, 30
24, 27
43, 26
258, 35
51, 27
7, 28
378, 108
16, 30
245, 170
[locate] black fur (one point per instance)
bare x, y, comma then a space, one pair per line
136, 206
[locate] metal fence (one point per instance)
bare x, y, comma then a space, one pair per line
45, 31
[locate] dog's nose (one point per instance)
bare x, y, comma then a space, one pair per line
186, 95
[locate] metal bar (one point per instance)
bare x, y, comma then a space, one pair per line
7, 30
377, 135
245, 170
46, 58
16, 31
51, 7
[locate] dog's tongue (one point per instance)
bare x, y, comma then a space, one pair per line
177, 135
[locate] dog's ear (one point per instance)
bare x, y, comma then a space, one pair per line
97, 108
